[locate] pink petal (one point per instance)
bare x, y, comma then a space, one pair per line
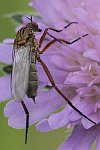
59, 119
8, 41
93, 54
78, 78
98, 141
94, 117
54, 13
80, 139
82, 15
45, 105
6, 53
43, 126
5, 89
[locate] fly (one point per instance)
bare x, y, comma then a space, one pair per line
26, 52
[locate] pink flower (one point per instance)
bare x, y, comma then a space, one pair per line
75, 69
5, 57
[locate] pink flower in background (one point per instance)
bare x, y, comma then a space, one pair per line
75, 69
5, 57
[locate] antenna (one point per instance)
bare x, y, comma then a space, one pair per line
29, 18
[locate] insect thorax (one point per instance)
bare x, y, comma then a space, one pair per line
23, 36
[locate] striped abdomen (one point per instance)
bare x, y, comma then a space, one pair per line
33, 78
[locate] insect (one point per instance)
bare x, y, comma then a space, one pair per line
26, 52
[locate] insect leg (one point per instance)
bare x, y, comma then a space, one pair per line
62, 29
55, 30
27, 119
60, 40
57, 89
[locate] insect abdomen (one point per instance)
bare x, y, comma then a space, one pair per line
33, 79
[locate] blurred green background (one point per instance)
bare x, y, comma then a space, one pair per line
13, 139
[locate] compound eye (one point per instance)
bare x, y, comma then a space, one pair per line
34, 26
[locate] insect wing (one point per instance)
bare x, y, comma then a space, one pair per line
20, 72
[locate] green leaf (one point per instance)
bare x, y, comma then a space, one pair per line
7, 69
17, 16
46, 88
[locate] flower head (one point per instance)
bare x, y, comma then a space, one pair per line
75, 69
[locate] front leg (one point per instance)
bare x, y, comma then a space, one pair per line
55, 30
59, 40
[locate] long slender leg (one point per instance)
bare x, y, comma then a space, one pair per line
60, 40
57, 89
27, 119
46, 32
62, 29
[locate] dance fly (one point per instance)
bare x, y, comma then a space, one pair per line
26, 52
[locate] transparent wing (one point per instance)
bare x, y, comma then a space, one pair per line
20, 72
